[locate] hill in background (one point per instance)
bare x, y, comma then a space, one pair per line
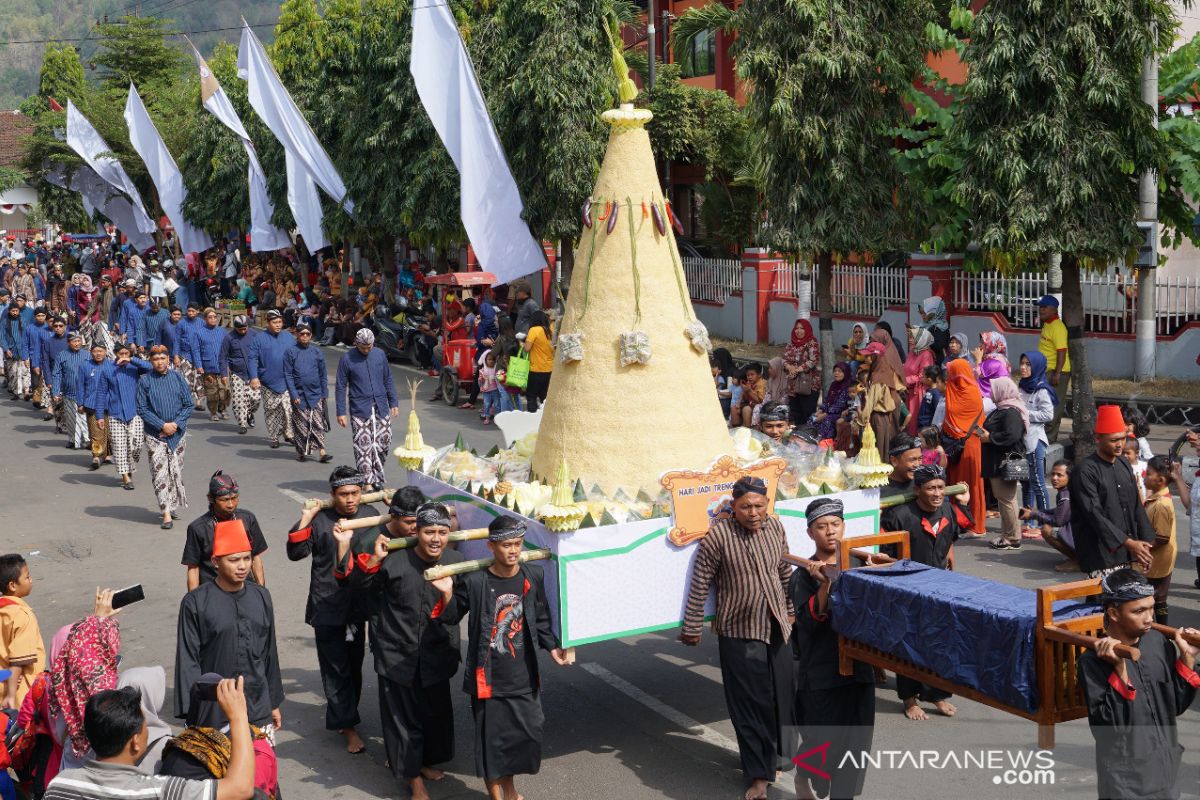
25, 20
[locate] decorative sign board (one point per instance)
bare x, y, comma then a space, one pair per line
700, 498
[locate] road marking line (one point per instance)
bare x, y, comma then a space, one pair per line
289, 494
693, 727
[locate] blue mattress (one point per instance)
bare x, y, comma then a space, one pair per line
968, 630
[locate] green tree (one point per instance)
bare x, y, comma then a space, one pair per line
61, 75
546, 69
135, 50
826, 89
1057, 137
1179, 180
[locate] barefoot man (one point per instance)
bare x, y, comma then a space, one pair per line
415, 655
743, 558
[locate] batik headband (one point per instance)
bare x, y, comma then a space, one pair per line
432, 514
364, 336
777, 413
902, 444
353, 479
748, 485
222, 485
928, 472
501, 529
1133, 590
824, 507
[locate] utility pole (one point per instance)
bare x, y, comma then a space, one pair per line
1145, 329
651, 45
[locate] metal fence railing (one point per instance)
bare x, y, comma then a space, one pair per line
1109, 300
866, 291
712, 280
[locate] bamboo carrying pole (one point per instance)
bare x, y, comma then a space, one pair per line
463, 567
900, 499
368, 497
472, 535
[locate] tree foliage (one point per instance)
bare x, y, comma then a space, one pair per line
1179, 179
135, 50
62, 76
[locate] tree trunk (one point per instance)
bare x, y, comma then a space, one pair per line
825, 315
566, 267
1083, 403
344, 271
387, 266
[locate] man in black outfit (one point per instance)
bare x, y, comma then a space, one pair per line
509, 619
415, 655
338, 622
1108, 521
1132, 705
830, 707
905, 456
933, 527
222, 507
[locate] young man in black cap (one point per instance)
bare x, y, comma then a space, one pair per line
830, 707
338, 621
415, 655
1132, 705
509, 620
223, 498
905, 456
245, 398
743, 558
933, 527
773, 422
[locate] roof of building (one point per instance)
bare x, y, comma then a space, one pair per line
14, 127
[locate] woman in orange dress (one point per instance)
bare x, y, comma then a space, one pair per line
964, 409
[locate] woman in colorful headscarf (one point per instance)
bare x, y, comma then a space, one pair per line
885, 382
859, 338
920, 356
35, 716
87, 664
802, 361
964, 415
991, 345
989, 370
933, 316
1003, 437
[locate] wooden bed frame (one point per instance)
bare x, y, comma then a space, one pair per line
1057, 647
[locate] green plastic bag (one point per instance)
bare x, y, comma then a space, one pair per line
518, 371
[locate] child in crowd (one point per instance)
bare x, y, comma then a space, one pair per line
934, 381
754, 388
490, 388
724, 393
1131, 452
1139, 428
931, 447
21, 648
1056, 524
1161, 511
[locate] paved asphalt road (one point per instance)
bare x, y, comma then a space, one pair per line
636, 718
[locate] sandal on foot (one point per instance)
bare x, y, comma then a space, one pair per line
325, 459
166, 526
1004, 544
127, 486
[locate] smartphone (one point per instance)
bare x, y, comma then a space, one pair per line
206, 691
131, 594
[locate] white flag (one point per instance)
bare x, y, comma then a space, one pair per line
98, 195
305, 202
449, 90
271, 101
163, 171
90, 145
263, 235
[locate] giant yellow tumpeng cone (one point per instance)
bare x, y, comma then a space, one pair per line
615, 425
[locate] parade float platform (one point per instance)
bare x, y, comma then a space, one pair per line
625, 579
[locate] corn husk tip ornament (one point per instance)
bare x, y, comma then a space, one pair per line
414, 451
562, 513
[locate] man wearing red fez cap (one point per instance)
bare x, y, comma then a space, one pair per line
227, 626
1107, 518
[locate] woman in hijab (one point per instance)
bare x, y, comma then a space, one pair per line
920, 356
959, 346
881, 404
835, 401
35, 716
777, 388
991, 345
1003, 435
859, 338
1039, 398
152, 683
87, 664
802, 360
884, 325
933, 314
989, 370
202, 750
964, 415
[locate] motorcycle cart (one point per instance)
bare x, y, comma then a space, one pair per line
458, 356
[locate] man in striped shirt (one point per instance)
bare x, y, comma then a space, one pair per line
116, 728
743, 558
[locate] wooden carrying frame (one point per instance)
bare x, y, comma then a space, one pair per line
1057, 647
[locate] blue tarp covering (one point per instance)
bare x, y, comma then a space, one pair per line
971, 631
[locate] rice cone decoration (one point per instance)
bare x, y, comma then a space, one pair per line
867, 470
414, 451
562, 513
629, 303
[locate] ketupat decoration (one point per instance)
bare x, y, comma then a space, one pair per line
683, 428
868, 471
414, 451
570, 347
562, 513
